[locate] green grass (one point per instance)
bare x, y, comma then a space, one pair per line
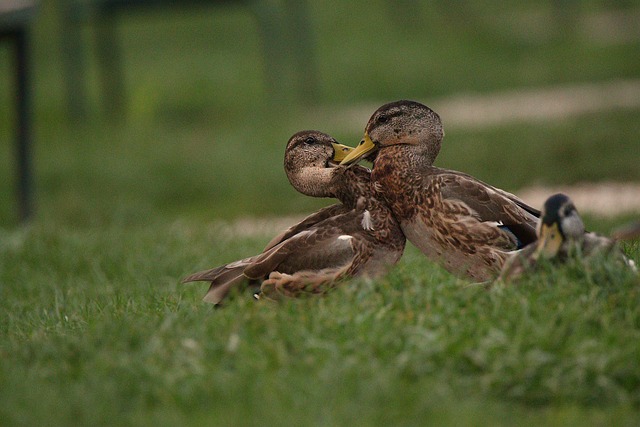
96, 331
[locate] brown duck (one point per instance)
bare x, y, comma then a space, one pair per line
358, 237
561, 234
466, 225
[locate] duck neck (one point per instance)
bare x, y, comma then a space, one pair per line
402, 159
350, 184
314, 182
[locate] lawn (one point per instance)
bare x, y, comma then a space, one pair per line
95, 328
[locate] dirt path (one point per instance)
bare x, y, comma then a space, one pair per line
477, 111
607, 199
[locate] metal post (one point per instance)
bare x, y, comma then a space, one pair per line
23, 140
110, 57
74, 61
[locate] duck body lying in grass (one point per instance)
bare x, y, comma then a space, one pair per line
463, 224
358, 237
561, 235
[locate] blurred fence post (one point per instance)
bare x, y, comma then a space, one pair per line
74, 64
303, 39
109, 53
269, 15
15, 22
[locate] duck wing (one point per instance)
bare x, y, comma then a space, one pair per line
326, 245
308, 222
490, 204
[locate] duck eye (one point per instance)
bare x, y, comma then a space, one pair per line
383, 119
309, 140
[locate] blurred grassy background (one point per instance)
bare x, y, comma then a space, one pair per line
201, 141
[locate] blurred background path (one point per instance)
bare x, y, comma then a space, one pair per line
521, 105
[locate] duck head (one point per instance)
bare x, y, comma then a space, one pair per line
310, 159
407, 123
559, 225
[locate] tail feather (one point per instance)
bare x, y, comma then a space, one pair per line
204, 276
220, 288
222, 279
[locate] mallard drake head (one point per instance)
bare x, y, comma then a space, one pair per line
408, 123
560, 224
309, 160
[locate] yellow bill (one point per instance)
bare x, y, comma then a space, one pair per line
365, 147
340, 151
550, 241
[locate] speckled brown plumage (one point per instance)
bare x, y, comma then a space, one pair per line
464, 224
358, 237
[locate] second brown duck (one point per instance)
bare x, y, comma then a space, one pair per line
358, 237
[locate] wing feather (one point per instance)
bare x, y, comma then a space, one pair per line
307, 223
490, 204
317, 248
